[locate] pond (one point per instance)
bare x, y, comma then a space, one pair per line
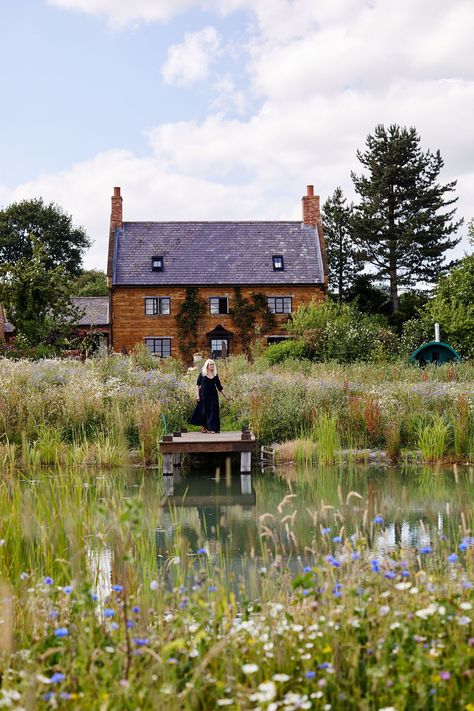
232, 525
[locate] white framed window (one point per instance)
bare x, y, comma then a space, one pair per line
280, 304
219, 347
159, 346
218, 305
157, 305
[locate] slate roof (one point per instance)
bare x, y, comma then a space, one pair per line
95, 310
199, 253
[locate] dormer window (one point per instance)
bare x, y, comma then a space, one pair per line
157, 264
278, 263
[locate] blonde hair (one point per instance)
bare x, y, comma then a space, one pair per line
206, 365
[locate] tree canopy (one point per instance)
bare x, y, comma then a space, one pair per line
90, 282
453, 307
343, 259
22, 224
37, 298
403, 224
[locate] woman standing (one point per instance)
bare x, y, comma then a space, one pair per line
206, 413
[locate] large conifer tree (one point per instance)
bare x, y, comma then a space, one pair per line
403, 223
344, 263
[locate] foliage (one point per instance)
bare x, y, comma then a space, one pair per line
401, 224
341, 332
36, 297
453, 307
90, 282
243, 317
261, 310
291, 348
30, 222
245, 314
369, 297
190, 311
343, 260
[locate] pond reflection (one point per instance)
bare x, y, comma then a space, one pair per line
236, 525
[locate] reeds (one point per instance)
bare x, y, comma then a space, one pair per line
326, 438
432, 439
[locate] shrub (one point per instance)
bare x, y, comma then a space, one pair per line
278, 352
342, 333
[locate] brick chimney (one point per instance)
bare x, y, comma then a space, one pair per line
311, 207
312, 218
116, 215
116, 222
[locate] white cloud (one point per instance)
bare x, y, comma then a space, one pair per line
325, 73
120, 13
189, 62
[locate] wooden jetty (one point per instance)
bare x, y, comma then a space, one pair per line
179, 443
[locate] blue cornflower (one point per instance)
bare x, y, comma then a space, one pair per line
94, 596
117, 588
306, 591
61, 632
310, 674
212, 588
68, 589
141, 641
405, 573
323, 665
57, 678
114, 626
390, 574
136, 609
355, 555
338, 586
375, 565
426, 549
65, 695
467, 584
108, 612
307, 569
337, 539
337, 593
53, 614
48, 696
130, 624
325, 531
48, 580
202, 551
463, 546
452, 558
378, 519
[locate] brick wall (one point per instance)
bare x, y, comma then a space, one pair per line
131, 326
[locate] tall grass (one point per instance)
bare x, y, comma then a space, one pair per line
92, 618
327, 439
432, 439
51, 409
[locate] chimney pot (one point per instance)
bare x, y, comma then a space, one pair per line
310, 190
116, 192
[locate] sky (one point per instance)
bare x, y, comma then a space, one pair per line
223, 109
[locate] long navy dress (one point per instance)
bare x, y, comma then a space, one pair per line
206, 413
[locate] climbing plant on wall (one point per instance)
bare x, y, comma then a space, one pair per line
190, 311
245, 314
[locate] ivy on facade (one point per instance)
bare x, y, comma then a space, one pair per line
190, 311
245, 314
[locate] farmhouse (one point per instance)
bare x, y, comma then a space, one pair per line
153, 267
